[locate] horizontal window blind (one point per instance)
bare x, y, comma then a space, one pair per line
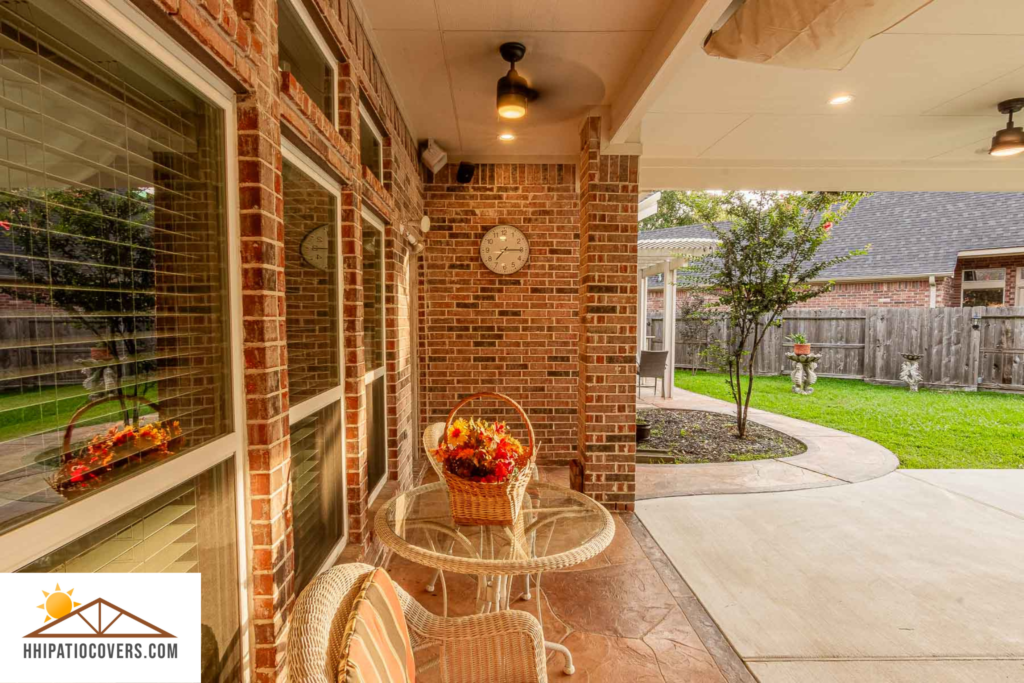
111, 255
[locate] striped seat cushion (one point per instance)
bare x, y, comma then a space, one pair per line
376, 647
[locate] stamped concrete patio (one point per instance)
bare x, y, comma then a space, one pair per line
626, 615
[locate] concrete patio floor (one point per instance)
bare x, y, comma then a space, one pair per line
914, 576
621, 615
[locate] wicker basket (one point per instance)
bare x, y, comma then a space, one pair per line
477, 504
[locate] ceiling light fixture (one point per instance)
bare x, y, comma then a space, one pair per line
506, 137
513, 90
1009, 140
840, 100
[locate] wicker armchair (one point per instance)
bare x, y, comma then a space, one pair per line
500, 647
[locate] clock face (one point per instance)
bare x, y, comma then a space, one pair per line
316, 248
504, 249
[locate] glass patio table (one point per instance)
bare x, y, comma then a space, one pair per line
558, 528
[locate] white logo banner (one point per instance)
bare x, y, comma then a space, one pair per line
100, 628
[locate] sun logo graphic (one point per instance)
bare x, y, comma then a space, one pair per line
58, 603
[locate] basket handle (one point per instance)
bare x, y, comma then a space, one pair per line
100, 401
501, 397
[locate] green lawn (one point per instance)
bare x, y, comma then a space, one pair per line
930, 429
50, 408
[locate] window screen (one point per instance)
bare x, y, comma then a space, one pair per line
111, 262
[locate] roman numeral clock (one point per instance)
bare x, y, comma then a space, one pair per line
504, 249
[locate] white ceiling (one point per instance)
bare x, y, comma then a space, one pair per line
443, 59
926, 93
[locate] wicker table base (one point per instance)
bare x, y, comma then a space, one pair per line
558, 528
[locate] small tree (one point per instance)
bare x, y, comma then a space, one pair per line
764, 264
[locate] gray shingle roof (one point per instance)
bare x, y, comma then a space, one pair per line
911, 233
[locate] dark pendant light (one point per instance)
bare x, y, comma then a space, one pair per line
513, 90
1009, 140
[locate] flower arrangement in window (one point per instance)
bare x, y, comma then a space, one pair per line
480, 451
82, 468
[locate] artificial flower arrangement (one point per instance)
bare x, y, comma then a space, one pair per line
84, 468
485, 469
480, 451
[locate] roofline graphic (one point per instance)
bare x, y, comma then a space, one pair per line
99, 631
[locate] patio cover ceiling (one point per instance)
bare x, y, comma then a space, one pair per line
924, 111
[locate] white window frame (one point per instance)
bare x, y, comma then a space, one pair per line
1018, 301
70, 522
983, 284
332, 62
364, 115
300, 411
372, 375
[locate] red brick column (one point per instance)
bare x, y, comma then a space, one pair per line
266, 363
608, 315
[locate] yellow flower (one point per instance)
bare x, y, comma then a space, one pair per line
458, 432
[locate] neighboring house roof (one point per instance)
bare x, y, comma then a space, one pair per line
910, 233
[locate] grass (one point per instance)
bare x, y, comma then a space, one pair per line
47, 409
930, 429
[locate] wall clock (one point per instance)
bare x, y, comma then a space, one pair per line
504, 249
316, 247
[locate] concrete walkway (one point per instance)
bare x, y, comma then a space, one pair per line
832, 458
914, 576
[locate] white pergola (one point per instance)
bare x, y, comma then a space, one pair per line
665, 256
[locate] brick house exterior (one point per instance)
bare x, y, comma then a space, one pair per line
921, 244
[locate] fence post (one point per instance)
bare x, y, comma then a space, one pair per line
974, 358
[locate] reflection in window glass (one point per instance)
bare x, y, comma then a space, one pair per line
317, 490
189, 529
311, 272
111, 257
983, 297
301, 56
373, 296
371, 144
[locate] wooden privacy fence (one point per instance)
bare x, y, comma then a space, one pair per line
964, 348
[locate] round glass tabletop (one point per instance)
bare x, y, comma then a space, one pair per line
558, 528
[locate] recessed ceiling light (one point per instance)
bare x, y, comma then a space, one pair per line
506, 137
839, 100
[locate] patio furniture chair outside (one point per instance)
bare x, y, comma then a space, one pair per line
651, 366
503, 647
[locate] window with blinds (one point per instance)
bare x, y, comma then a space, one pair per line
317, 490
112, 290
189, 529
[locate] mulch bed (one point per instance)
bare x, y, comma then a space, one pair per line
692, 436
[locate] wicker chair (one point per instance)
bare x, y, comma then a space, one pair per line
500, 647
651, 366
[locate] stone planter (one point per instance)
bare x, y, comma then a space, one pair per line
643, 432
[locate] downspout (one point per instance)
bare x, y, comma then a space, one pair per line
932, 291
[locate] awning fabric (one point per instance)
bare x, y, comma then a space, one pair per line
805, 34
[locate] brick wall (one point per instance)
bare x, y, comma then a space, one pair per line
607, 320
514, 333
1011, 263
237, 39
883, 294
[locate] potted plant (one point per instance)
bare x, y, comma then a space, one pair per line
800, 345
643, 429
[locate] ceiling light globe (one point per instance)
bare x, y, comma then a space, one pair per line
1007, 142
840, 100
512, 106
